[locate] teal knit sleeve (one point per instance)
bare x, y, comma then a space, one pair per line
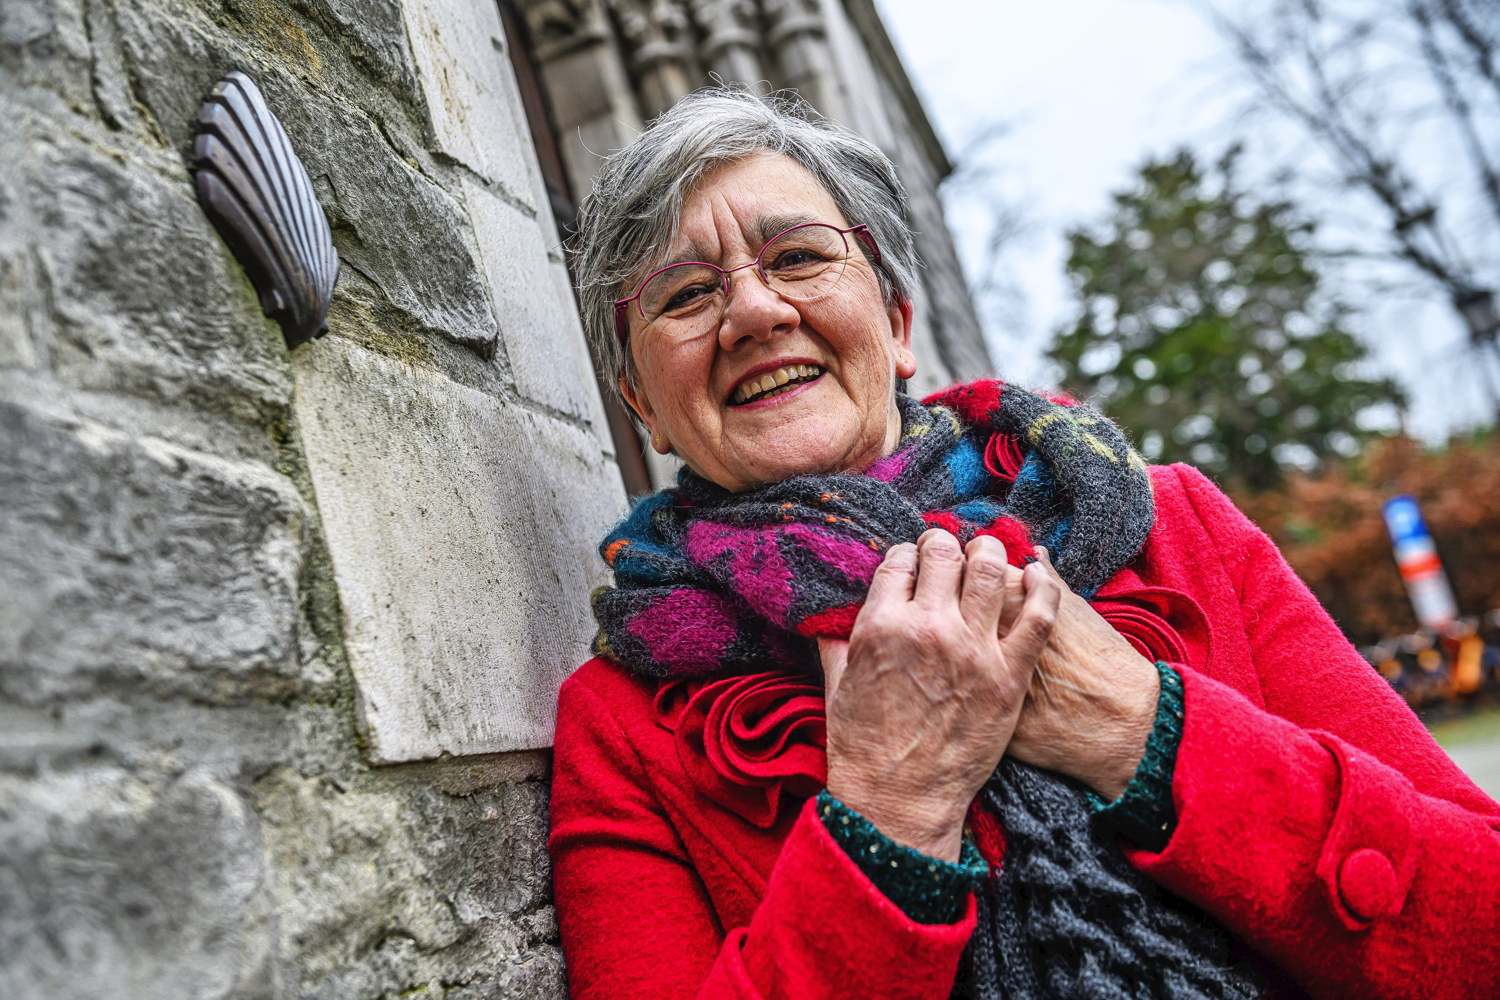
927, 890
1144, 812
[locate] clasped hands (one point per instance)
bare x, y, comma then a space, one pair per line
958, 658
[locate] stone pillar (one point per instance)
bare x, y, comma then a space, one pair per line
800, 42
588, 86
731, 40
657, 32
462, 524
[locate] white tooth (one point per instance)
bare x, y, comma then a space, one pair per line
782, 376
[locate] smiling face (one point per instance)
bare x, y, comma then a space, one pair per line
831, 361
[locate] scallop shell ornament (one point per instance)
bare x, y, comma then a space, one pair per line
258, 195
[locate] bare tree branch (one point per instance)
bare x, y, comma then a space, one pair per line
1485, 50
1458, 105
1326, 116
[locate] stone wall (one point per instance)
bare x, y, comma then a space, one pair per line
233, 579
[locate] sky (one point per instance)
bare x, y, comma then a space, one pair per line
1088, 89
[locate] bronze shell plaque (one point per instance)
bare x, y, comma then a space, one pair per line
258, 195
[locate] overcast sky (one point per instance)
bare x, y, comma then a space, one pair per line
1090, 88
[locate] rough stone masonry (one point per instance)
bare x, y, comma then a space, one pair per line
278, 632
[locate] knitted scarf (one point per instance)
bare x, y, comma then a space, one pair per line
1070, 917
709, 582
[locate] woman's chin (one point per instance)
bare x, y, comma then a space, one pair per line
807, 448
816, 431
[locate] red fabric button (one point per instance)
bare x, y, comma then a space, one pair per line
1367, 884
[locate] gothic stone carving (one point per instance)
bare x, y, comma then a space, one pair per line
559, 27
731, 39
659, 37
799, 39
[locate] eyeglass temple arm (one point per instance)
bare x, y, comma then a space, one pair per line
622, 319
863, 234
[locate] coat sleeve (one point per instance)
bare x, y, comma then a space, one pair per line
1328, 829
637, 922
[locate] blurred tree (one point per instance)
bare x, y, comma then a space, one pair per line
1384, 87
1330, 529
1203, 332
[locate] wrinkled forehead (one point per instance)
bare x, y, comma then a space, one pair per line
739, 207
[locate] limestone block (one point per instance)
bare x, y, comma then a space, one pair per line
395, 227
128, 289
472, 100
462, 532
129, 561
384, 888
117, 885
538, 320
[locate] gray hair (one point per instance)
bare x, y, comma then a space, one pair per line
629, 222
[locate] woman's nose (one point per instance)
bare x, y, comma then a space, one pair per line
753, 311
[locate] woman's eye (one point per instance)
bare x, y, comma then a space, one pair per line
791, 260
688, 297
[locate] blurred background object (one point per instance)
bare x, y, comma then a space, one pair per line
1376, 120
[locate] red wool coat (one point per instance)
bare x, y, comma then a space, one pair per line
1317, 819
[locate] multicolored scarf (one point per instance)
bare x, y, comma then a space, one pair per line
707, 580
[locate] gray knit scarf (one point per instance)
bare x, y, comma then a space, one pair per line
1071, 918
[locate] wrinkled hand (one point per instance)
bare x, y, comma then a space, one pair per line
924, 696
1092, 701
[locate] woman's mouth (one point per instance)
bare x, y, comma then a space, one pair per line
773, 383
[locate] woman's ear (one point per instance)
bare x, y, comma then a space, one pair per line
900, 313
641, 404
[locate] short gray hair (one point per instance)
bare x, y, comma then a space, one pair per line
627, 225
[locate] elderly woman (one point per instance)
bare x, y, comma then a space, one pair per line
900, 699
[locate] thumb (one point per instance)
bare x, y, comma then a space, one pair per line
835, 656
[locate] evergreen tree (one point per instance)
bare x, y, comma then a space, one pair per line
1203, 332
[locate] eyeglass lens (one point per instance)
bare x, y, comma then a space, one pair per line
802, 263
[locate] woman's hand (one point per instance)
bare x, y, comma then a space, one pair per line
1092, 701
924, 696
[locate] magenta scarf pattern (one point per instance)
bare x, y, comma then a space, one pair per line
708, 581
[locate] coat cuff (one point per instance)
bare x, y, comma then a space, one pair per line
927, 889
1144, 812
823, 926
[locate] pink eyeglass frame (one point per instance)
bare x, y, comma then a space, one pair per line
860, 232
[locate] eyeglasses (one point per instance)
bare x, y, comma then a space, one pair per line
802, 263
